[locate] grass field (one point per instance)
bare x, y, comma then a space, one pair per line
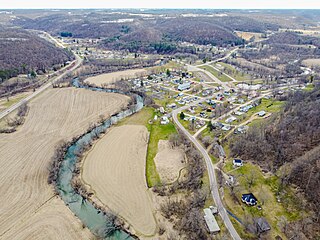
265, 189
216, 73
239, 76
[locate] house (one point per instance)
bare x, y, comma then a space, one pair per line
261, 113
262, 225
241, 129
211, 221
238, 113
217, 125
164, 120
237, 162
249, 199
231, 119
184, 86
161, 110
226, 127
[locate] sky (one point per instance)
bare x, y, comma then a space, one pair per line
214, 4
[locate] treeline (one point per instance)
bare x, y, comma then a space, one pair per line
293, 38
290, 143
160, 35
25, 53
96, 67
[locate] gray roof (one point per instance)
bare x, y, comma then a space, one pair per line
262, 224
211, 221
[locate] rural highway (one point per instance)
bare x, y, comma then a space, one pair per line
76, 63
212, 177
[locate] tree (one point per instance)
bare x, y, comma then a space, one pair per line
33, 74
210, 126
182, 116
168, 73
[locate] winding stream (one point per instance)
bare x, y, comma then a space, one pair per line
91, 217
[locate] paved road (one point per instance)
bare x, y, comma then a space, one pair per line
212, 177
77, 62
214, 78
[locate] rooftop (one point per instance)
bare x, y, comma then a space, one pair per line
211, 221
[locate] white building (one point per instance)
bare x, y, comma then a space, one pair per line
164, 120
211, 221
184, 86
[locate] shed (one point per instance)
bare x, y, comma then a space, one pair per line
262, 225
211, 221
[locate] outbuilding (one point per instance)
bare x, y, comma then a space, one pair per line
211, 221
262, 225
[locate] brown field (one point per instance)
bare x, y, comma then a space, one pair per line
248, 35
29, 207
169, 161
115, 170
110, 78
315, 62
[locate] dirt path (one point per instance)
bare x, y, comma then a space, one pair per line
29, 209
115, 170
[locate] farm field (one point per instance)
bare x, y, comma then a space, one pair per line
30, 209
248, 35
110, 78
115, 170
315, 62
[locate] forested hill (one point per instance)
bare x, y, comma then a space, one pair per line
22, 52
290, 140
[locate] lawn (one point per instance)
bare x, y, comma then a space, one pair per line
157, 132
186, 125
216, 73
12, 100
239, 76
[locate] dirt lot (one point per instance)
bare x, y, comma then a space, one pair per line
115, 170
29, 208
315, 62
110, 78
169, 161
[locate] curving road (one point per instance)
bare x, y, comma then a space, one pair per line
212, 177
76, 63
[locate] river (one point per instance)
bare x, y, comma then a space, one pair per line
91, 217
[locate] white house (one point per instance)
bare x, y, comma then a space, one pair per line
164, 120
261, 113
237, 162
184, 86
